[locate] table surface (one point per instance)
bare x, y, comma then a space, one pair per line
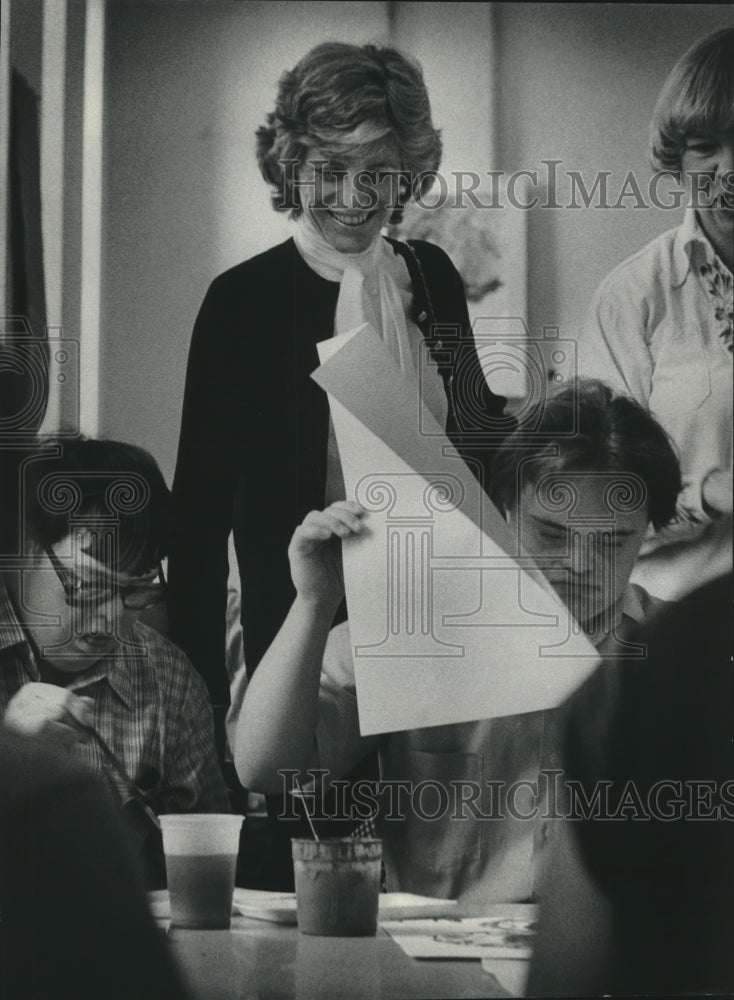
258, 959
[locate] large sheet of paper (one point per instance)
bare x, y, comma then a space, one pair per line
449, 622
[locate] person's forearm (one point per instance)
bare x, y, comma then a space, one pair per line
277, 722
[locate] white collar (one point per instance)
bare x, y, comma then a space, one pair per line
689, 240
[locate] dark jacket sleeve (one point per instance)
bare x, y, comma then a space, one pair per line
204, 488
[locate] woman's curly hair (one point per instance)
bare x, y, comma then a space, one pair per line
334, 90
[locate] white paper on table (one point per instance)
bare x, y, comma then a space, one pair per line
445, 625
466, 937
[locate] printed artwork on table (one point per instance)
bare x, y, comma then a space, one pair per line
495, 932
509, 935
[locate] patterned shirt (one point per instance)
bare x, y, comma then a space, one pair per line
719, 282
150, 707
659, 329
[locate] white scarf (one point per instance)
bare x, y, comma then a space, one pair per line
368, 292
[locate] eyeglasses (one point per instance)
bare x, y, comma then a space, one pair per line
145, 592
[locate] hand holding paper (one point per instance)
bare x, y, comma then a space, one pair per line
315, 552
446, 622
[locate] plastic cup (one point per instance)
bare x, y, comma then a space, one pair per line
337, 886
201, 857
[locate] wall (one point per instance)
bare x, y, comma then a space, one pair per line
186, 86
455, 46
577, 83
45, 41
21, 45
26, 40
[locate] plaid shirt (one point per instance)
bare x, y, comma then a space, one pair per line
150, 707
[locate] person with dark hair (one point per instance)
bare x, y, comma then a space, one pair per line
349, 141
75, 921
97, 479
616, 441
614, 434
660, 326
581, 504
644, 905
76, 665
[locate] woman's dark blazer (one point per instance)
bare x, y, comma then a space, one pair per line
252, 451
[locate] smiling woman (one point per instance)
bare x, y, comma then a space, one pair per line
349, 141
348, 195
